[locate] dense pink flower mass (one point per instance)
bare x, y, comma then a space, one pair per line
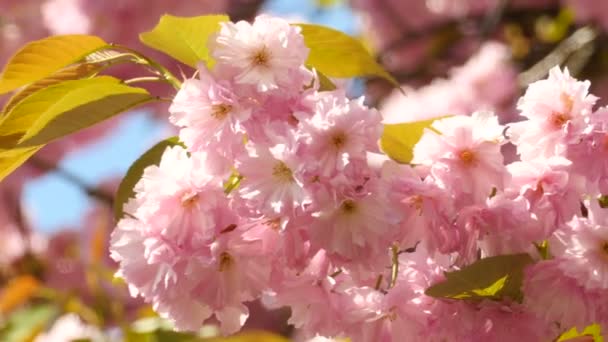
281, 194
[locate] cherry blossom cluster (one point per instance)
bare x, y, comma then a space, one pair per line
281, 193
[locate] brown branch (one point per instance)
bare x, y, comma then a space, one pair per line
97, 194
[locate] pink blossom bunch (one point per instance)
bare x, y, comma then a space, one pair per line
487, 81
281, 193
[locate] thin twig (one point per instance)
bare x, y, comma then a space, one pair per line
144, 79
97, 194
579, 39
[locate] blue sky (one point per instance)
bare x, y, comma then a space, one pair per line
55, 203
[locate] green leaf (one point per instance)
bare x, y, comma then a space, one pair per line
72, 72
493, 278
603, 200
136, 170
327, 3
325, 84
42, 58
593, 330
398, 140
11, 159
70, 106
184, 39
27, 323
251, 336
337, 54
543, 250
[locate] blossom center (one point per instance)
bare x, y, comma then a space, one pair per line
226, 261
467, 157
274, 224
416, 202
605, 247
189, 199
348, 207
220, 111
282, 172
261, 58
559, 119
339, 140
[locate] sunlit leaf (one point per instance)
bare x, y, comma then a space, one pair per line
337, 54
17, 292
136, 170
327, 3
494, 277
593, 332
603, 201
11, 159
184, 39
41, 58
251, 336
543, 250
398, 140
27, 323
71, 72
325, 84
70, 106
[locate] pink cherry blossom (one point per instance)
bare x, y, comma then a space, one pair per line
586, 255
341, 130
463, 154
209, 112
543, 283
273, 179
265, 53
553, 195
70, 327
556, 109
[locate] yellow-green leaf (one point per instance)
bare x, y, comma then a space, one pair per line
25, 324
337, 54
41, 58
398, 140
136, 170
593, 331
325, 84
11, 159
251, 336
71, 106
16, 292
184, 39
72, 72
494, 278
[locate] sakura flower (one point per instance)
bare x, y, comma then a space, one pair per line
427, 210
273, 179
69, 327
265, 53
404, 311
314, 306
340, 130
463, 154
181, 251
589, 153
553, 195
208, 112
586, 255
356, 221
556, 109
543, 283
180, 199
73, 17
